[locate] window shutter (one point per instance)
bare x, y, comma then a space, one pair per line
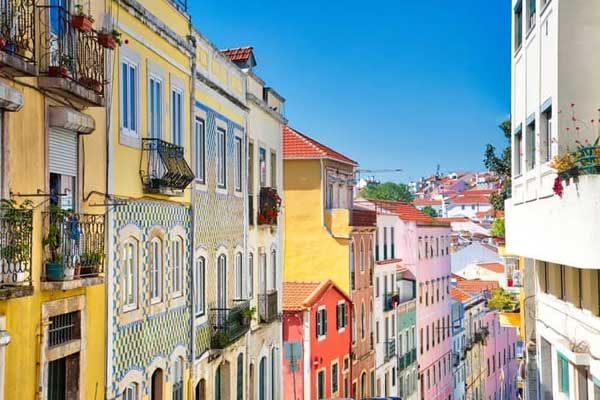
338, 323
324, 322
318, 325
62, 145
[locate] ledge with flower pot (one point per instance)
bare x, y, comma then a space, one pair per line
269, 207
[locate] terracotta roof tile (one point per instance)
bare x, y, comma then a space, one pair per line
476, 285
405, 211
238, 53
295, 293
458, 277
298, 145
459, 295
493, 266
427, 202
454, 219
363, 218
470, 199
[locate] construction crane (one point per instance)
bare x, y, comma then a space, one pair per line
377, 171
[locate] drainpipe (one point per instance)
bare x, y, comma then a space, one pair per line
192, 379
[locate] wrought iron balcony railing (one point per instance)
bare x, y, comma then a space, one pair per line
17, 29
73, 245
70, 52
163, 167
390, 349
229, 324
402, 362
16, 228
267, 306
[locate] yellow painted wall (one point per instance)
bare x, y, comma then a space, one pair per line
311, 253
222, 107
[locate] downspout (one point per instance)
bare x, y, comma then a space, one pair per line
246, 222
192, 379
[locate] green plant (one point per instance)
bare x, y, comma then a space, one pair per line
220, 339
65, 61
387, 191
498, 228
91, 258
502, 300
248, 313
430, 211
79, 11
17, 224
52, 240
118, 36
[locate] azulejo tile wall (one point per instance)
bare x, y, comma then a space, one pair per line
138, 343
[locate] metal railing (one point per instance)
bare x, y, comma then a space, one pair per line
73, 245
17, 28
69, 52
267, 306
163, 167
390, 349
229, 324
16, 229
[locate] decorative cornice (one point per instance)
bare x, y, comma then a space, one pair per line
263, 106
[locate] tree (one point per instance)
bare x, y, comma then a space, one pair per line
387, 191
501, 165
498, 229
430, 211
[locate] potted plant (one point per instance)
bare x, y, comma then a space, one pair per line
62, 70
220, 339
110, 40
270, 204
92, 83
55, 261
15, 250
248, 315
564, 166
82, 21
90, 262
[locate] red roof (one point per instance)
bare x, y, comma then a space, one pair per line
476, 285
493, 266
238, 53
459, 295
298, 296
363, 218
427, 202
480, 192
297, 145
458, 277
470, 199
453, 219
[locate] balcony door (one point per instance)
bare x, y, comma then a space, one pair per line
221, 288
63, 168
61, 42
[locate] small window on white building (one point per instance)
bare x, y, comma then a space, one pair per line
199, 292
156, 270
177, 267
177, 116
130, 275
238, 164
221, 158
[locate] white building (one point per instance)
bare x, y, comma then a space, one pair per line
485, 271
553, 66
458, 345
476, 252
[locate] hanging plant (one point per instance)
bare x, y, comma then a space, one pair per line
558, 187
270, 204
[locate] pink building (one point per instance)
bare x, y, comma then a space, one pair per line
500, 359
423, 244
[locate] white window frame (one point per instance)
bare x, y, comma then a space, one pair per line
200, 157
200, 286
177, 267
274, 274
156, 270
130, 273
157, 120
131, 392
133, 61
344, 315
177, 116
337, 377
239, 276
221, 164
238, 150
250, 274
322, 333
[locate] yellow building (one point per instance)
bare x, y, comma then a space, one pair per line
52, 221
318, 191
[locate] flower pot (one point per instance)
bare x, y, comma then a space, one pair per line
107, 41
57, 272
89, 271
82, 23
92, 84
58, 71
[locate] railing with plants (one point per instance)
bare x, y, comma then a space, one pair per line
267, 306
70, 48
229, 324
73, 245
163, 167
269, 206
16, 229
17, 28
390, 349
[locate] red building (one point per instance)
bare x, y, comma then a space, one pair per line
317, 341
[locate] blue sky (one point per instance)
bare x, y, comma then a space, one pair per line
392, 84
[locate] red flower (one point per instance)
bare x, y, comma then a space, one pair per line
558, 187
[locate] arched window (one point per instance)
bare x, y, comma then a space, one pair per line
156, 270
273, 269
250, 275
222, 282
274, 374
130, 275
362, 320
131, 392
240, 377
178, 379
363, 385
262, 379
177, 270
239, 277
217, 388
200, 287
362, 256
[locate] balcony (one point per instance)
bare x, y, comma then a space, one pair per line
267, 307
455, 359
163, 168
16, 228
71, 59
269, 207
390, 349
229, 324
337, 222
576, 213
402, 362
17, 37
73, 249
390, 301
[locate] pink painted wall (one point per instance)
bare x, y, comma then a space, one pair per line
429, 270
500, 341
292, 331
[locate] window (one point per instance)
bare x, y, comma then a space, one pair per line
200, 150
392, 252
385, 240
274, 363
546, 135
352, 268
177, 273
130, 275
177, 116
238, 277
362, 321
320, 385
377, 287
155, 108
334, 378
273, 270
262, 166
530, 145
531, 14
129, 97
262, 379
377, 331
321, 322
341, 315
563, 374
199, 293
156, 274
131, 392
362, 256
178, 379
563, 282
222, 281
517, 154
250, 275
518, 24
240, 377
238, 164
273, 169
221, 158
